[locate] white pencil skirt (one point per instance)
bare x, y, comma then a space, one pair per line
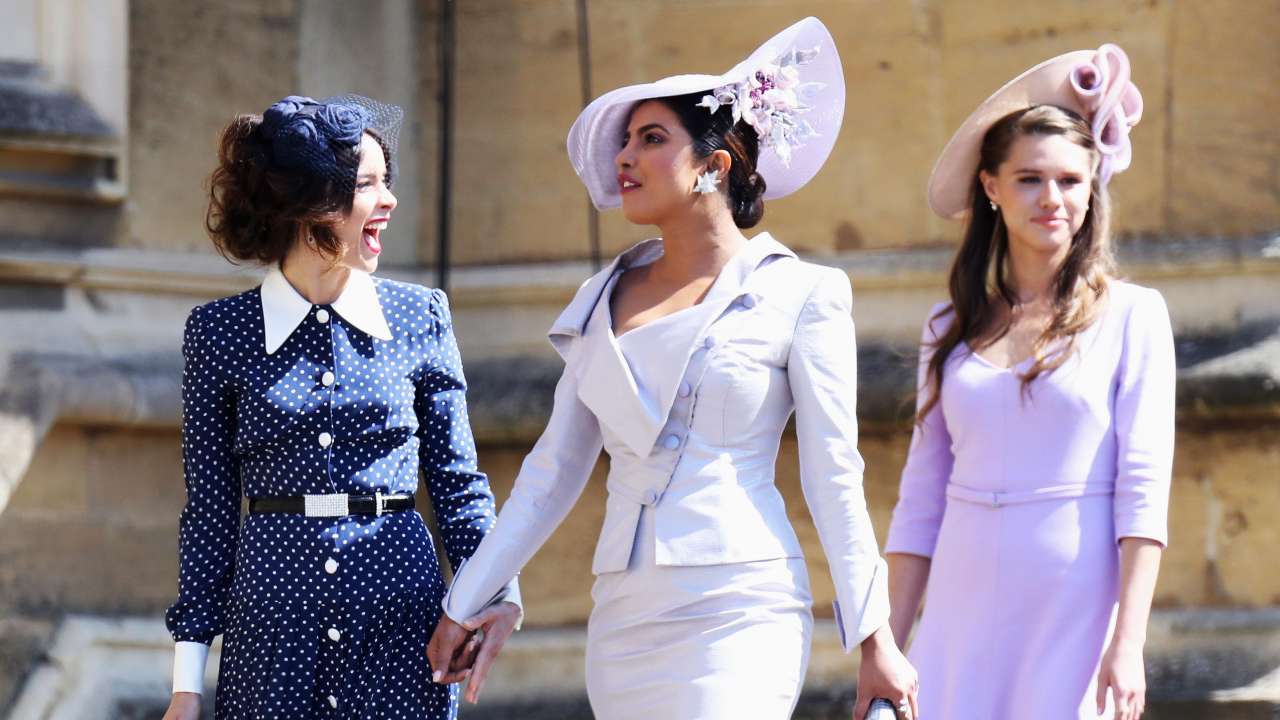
711, 642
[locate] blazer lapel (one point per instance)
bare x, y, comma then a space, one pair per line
572, 322
607, 387
606, 384
669, 354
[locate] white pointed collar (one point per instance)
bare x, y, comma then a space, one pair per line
284, 308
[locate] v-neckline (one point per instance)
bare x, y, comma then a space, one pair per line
653, 322
1011, 368
613, 286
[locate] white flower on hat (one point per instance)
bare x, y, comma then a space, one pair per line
771, 100
806, 82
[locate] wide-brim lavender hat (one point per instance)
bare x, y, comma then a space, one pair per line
798, 125
1094, 83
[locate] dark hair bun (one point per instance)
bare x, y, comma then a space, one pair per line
712, 131
746, 197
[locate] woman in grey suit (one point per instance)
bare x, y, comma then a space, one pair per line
684, 359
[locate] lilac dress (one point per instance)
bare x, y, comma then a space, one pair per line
1020, 503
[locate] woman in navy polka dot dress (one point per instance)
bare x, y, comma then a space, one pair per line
319, 396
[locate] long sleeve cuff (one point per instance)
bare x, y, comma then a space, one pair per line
511, 594
189, 659
857, 620
456, 608
915, 538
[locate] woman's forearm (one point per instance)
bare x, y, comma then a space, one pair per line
1139, 567
908, 576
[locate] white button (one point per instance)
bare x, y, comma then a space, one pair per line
322, 316
748, 301
333, 701
650, 497
325, 439
709, 343
327, 378
685, 389
334, 635
672, 442
331, 566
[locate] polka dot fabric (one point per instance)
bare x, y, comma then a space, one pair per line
323, 617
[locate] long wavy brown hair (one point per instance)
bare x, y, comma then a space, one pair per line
979, 283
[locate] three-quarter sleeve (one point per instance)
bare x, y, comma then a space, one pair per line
208, 528
922, 498
550, 481
459, 492
1144, 421
822, 368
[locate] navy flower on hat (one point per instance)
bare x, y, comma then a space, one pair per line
306, 135
277, 114
298, 142
343, 124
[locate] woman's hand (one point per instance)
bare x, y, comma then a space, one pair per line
885, 673
494, 624
451, 651
1123, 671
466, 650
183, 706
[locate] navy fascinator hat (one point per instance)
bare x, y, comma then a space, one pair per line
322, 137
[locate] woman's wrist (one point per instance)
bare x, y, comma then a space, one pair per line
877, 641
1128, 641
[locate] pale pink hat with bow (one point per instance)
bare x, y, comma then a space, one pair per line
1093, 83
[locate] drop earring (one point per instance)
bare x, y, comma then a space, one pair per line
707, 182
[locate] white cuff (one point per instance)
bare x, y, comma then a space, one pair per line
856, 621
188, 666
507, 593
511, 594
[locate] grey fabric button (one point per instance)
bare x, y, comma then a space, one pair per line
333, 701
322, 316
671, 442
327, 379
685, 389
325, 439
331, 566
334, 634
650, 497
748, 301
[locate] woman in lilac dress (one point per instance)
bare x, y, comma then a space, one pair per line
1034, 499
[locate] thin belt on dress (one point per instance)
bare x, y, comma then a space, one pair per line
997, 499
333, 505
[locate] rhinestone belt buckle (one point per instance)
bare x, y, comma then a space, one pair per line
325, 505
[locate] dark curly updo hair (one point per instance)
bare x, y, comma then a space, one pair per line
258, 210
712, 131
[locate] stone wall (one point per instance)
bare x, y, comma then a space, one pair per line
93, 292
1204, 154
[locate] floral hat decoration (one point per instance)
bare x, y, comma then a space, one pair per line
1095, 84
309, 136
790, 91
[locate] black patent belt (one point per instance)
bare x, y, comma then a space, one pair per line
333, 505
